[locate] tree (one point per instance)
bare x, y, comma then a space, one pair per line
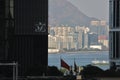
53, 71
91, 71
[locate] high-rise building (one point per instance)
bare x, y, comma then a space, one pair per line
93, 38
24, 35
114, 31
86, 38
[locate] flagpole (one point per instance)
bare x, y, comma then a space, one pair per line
75, 67
74, 63
60, 61
74, 59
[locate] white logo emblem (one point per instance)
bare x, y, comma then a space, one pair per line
40, 27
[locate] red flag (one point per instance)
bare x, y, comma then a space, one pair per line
64, 64
75, 67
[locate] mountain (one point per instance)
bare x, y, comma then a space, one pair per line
64, 12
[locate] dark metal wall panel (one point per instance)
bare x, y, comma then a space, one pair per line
2, 9
30, 47
2, 28
29, 15
31, 52
26, 40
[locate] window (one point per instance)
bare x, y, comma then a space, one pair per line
77, 26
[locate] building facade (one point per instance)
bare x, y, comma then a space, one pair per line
114, 32
24, 35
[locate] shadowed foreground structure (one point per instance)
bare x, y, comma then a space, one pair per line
114, 33
24, 36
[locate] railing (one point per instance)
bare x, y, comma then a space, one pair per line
15, 70
43, 78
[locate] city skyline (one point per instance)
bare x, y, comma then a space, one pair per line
78, 38
59, 40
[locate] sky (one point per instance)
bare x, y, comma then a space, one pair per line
93, 8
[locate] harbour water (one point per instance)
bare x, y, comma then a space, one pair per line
82, 58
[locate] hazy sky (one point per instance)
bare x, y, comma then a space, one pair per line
93, 8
